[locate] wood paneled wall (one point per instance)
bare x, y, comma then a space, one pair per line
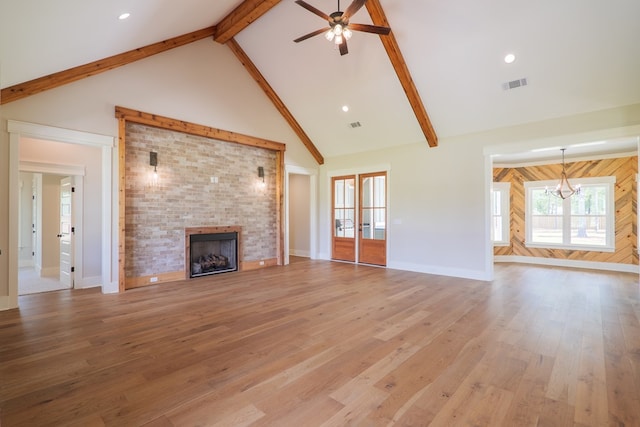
626, 239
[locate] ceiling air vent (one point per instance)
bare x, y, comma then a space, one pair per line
514, 84
355, 125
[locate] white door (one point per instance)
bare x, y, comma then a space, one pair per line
66, 233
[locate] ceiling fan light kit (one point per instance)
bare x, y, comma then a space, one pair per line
339, 29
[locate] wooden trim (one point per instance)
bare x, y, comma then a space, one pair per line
122, 181
241, 17
195, 129
32, 87
210, 230
138, 282
390, 43
275, 99
255, 265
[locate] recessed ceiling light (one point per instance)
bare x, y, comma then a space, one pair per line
509, 58
124, 16
345, 108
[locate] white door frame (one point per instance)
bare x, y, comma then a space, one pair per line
78, 174
17, 130
313, 209
492, 151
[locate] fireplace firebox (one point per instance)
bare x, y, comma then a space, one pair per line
211, 251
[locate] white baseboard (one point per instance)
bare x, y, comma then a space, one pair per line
111, 288
440, 271
607, 266
7, 304
88, 282
297, 252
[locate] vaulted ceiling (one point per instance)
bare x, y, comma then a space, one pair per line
577, 56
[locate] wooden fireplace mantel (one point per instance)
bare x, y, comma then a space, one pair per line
210, 230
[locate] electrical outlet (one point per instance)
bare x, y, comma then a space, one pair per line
261, 262
153, 279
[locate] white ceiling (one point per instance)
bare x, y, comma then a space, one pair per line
577, 55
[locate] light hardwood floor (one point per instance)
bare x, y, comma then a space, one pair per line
321, 343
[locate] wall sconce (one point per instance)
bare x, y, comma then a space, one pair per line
153, 161
261, 175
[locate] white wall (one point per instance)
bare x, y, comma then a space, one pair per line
299, 221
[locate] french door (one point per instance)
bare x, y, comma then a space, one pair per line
360, 231
344, 218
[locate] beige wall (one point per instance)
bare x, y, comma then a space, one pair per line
50, 225
299, 221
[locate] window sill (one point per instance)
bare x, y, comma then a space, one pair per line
571, 248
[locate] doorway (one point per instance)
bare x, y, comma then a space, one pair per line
360, 223
45, 237
299, 218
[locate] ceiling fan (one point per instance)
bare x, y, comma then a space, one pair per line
339, 29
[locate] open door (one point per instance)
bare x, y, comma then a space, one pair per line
66, 232
343, 242
372, 238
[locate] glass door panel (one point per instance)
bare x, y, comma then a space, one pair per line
344, 210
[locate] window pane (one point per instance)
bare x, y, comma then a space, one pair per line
344, 222
544, 204
497, 228
339, 227
339, 194
379, 223
496, 202
546, 229
367, 224
379, 190
589, 230
592, 200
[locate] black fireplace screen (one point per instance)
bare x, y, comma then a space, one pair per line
213, 253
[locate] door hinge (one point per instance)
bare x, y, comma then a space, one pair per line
33, 254
73, 269
73, 189
73, 229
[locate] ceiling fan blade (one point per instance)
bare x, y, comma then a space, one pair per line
353, 8
312, 9
315, 33
343, 47
375, 29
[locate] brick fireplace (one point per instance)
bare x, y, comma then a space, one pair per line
212, 250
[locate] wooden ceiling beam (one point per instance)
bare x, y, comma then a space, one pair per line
275, 99
241, 17
195, 129
395, 56
32, 87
